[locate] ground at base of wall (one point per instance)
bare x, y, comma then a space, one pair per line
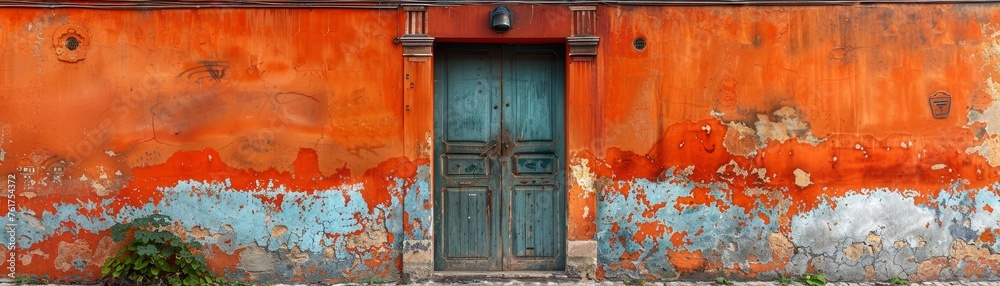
702, 283
674, 283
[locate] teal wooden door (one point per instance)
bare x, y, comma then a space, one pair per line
499, 157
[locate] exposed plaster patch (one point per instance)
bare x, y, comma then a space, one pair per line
416, 200
100, 189
883, 230
856, 250
278, 230
632, 245
106, 248
741, 140
26, 257
584, 178
787, 126
930, 269
936, 167
329, 253
990, 149
990, 116
68, 252
194, 204
780, 245
374, 237
802, 179
723, 171
296, 255
257, 259
3, 138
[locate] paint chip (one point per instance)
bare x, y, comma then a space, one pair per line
278, 231
936, 167
584, 178
802, 179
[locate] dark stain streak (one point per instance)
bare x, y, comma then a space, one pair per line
215, 70
284, 97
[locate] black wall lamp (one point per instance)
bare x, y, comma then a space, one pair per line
500, 19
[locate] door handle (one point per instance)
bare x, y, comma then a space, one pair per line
490, 151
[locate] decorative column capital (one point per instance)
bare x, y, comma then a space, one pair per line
583, 45
415, 41
583, 42
417, 45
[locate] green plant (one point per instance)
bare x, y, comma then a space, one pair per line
784, 280
156, 256
899, 281
723, 281
636, 282
22, 280
813, 279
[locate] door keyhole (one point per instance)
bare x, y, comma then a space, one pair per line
494, 106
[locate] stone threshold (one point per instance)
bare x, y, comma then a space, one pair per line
497, 276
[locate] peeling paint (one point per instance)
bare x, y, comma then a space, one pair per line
744, 141
780, 144
583, 177
802, 178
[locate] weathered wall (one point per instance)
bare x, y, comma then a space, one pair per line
272, 135
757, 141
743, 141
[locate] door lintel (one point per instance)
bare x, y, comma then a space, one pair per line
417, 44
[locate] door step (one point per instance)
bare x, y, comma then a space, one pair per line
500, 276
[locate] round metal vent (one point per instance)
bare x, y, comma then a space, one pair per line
639, 44
72, 43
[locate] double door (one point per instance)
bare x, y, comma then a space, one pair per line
499, 157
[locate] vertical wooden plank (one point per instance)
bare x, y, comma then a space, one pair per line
459, 226
545, 219
451, 223
484, 227
518, 223
529, 221
470, 228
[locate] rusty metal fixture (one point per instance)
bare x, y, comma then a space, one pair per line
639, 43
71, 43
940, 103
500, 19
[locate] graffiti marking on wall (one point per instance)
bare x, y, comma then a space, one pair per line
213, 70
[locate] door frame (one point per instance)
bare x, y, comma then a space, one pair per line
501, 179
575, 26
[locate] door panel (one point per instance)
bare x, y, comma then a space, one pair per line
533, 225
467, 185
467, 223
499, 188
469, 99
528, 80
533, 84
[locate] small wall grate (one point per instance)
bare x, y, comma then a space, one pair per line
639, 44
72, 43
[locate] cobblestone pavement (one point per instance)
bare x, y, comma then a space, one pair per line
686, 283
519, 283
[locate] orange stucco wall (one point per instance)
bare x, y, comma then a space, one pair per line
742, 141
759, 141
266, 105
